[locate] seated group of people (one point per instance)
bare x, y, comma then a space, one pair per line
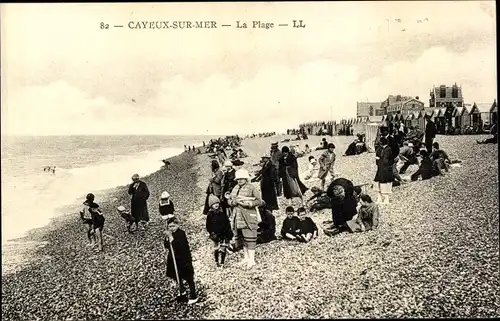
357, 147
301, 137
322, 145
238, 153
298, 226
352, 211
432, 164
491, 140
297, 152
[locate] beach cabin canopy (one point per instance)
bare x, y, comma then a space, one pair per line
375, 119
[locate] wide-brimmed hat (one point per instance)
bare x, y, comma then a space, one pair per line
241, 174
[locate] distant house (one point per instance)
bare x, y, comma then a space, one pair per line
365, 109
446, 96
449, 97
401, 105
405, 107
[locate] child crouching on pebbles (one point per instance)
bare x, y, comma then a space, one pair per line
307, 228
127, 217
179, 260
219, 227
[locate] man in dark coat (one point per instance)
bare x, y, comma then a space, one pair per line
140, 194
268, 178
275, 157
430, 133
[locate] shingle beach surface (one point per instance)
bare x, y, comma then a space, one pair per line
435, 254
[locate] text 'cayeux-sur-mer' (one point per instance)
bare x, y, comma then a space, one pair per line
151, 25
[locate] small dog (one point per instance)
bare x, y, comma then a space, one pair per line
129, 219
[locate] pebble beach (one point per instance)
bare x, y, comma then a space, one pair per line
435, 254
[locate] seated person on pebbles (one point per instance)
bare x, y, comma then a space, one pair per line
290, 227
307, 228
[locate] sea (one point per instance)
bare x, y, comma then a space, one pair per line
31, 197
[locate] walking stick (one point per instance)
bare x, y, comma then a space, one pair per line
175, 268
298, 186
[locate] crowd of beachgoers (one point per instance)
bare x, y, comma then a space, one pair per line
244, 204
241, 215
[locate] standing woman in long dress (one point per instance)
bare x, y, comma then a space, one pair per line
268, 178
384, 176
214, 184
139, 206
289, 172
245, 200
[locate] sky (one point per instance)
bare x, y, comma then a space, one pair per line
63, 75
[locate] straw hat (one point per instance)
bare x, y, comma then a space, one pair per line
165, 195
266, 155
242, 174
121, 208
228, 163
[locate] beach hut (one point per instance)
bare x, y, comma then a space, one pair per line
493, 112
479, 115
420, 117
358, 126
461, 119
414, 118
408, 120
439, 120
372, 126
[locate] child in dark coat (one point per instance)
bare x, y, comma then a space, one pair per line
219, 228
182, 269
290, 226
307, 228
267, 227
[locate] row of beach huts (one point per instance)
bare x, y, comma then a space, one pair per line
463, 121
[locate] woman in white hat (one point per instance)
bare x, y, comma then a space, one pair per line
166, 206
245, 200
